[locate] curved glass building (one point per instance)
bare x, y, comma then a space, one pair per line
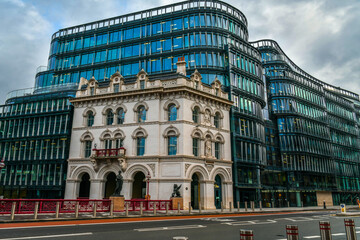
317, 130
293, 136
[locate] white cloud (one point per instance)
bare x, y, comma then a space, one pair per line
320, 36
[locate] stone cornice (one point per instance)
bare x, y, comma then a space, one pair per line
152, 123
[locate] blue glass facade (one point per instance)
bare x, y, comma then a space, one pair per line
292, 134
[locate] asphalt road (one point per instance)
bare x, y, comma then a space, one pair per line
266, 227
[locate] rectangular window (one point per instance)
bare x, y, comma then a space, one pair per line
140, 150
178, 42
196, 147
172, 145
177, 24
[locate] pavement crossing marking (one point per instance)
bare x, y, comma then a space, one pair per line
49, 236
168, 228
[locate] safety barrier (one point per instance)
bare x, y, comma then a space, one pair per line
28, 206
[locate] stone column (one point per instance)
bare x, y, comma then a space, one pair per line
95, 189
71, 189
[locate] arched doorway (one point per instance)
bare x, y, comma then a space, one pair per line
139, 186
217, 192
195, 191
110, 185
84, 191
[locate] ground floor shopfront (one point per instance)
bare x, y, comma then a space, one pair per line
202, 185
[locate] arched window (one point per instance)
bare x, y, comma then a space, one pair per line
120, 116
140, 145
172, 112
172, 143
195, 114
118, 141
107, 141
217, 120
87, 146
141, 112
196, 144
90, 119
109, 117
218, 147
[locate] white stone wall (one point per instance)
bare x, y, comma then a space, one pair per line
165, 170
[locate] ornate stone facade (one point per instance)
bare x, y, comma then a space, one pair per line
167, 127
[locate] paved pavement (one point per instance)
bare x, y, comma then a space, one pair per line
266, 226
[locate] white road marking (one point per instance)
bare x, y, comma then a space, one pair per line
168, 228
49, 236
255, 222
338, 234
310, 237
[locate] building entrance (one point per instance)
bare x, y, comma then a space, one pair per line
195, 192
218, 192
139, 186
84, 191
110, 185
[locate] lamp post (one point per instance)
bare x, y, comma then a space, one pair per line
147, 197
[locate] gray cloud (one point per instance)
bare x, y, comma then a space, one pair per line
320, 36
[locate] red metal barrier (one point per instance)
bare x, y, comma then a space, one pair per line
27, 206
148, 205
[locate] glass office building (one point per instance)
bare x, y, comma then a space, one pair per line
283, 141
317, 131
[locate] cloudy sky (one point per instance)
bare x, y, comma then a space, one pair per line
320, 36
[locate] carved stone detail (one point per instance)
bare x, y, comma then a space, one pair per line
72, 168
229, 171
187, 165
152, 167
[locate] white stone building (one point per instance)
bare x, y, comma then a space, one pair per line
173, 128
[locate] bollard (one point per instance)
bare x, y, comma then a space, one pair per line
272, 203
77, 209
154, 208
252, 204
302, 204
238, 205
292, 232
57, 209
13, 207
189, 207
180, 238
288, 204
246, 206
246, 235
112, 208
222, 206
167, 208
178, 208
36, 210
94, 209
199, 207
127, 209
230, 207
260, 205
324, 204
141, 208
350, 229
325, 230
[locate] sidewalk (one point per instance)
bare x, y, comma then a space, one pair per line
353, 210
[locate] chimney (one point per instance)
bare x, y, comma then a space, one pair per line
181, 66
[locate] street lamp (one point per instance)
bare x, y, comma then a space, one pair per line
147, 197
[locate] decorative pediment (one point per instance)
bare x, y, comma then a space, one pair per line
216, 83
117, 78
93, 82
196, 76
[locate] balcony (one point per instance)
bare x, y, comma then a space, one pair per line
108, 157
109, 153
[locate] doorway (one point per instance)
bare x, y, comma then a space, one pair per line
110, 185
195, 191
139, 186
218, 192
84, 191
